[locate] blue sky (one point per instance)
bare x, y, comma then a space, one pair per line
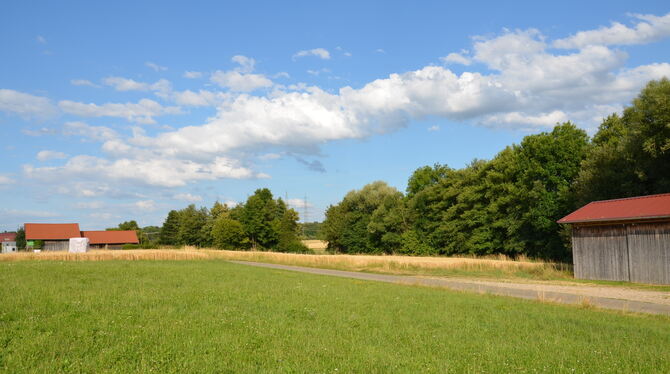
111, 111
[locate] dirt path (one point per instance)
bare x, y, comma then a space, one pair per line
625, 299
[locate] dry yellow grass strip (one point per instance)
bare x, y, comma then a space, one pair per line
385, 264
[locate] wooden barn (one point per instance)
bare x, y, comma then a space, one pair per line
110, 239
56, 236
622, 239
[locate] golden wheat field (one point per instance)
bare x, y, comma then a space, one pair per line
386, 264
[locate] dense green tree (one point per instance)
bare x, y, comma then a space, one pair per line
631, 153
228, 233
257, 216
170, 231
347, 225
191, 223
20, 238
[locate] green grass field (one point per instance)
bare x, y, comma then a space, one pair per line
212, 316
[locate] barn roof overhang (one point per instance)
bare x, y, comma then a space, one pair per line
632, 209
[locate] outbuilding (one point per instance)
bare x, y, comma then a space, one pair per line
7, 242
112, 239
622, 239
56, 236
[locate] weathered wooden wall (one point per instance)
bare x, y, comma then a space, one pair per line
649, 252
637, 252
600, 252
56, 245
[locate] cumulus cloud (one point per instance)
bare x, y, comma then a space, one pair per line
5, 180
163, 172
526, 85
40, 39
434, 128
26, 214
187, 197
199, 98
140, 112
26, 105
649, 28
321, 53
83, 82
90, 205
192, 74
47, 155
145, 205
299, 204
241, 79
155, 67
84, 130
456, 58
161, 87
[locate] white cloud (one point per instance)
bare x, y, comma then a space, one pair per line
648, 29
5, 180
164, 172
140, 112
434, 128
188, 197
83, 82
318, 52
192, 74
145, 205
40, 39
526, 86
90, 205
241, 78
27, 214
456, 58
299, 204
96, 133
247, 64
270, 156
26, 105
162, 86
200, 98
240, 82
47, 155
155, 66
379, 50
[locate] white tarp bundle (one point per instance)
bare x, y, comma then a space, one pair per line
78, 245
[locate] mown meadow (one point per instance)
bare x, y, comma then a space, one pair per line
213, 316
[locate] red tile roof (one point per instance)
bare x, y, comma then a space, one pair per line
8, 237
632, 208
52, 231
111, 237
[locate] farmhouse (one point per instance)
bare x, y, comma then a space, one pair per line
622, 239
110, 239
7, 242
56, 236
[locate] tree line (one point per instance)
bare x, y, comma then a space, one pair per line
510, 204
260, 223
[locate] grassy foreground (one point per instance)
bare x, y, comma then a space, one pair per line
213, 316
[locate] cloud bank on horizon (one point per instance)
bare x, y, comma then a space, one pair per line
516, 80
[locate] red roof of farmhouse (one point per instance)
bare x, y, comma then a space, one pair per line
632, 208
8, 237
111, 237
52, 231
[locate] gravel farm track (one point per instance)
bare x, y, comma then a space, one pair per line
617, 298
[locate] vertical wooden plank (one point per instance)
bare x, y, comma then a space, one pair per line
650, 252
600, 252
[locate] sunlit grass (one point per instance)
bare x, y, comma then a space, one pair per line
212, 316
